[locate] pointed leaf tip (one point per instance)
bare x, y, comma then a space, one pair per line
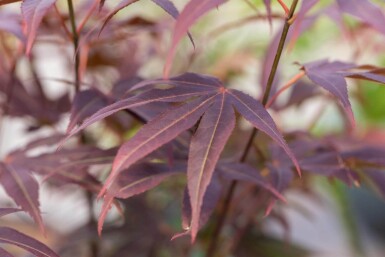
206, 146
254, 112
33, 12
22, 187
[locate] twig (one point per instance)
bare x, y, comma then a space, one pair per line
226, 205
291, 82
75, 38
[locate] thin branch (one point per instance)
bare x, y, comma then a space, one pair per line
227, 201
284, 6
87, 17
291, 82
75, 43
62, 23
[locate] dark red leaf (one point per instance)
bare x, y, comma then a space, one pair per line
14, 237
326, 164
206, 146
368, 155
281, 177
325, 74
256, 114
210, 200
85, 103
155, 95
33, 12
137, 179
246, 173
22, 187
156, 133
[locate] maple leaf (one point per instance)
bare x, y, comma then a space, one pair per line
85, 103
137, 179
324, 74
209, 203
14, 237
211, 101
33, 12
247, 173
331, 76
22, 187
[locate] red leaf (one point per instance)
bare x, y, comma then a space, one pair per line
21, 186
85, 104
136, 180
6, 211
191, 12
154, 95
14, 237
244, 172
33, 12
206, 146
256, 114
324, 74
156, 133
210, 200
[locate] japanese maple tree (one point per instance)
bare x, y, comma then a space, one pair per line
177, 126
